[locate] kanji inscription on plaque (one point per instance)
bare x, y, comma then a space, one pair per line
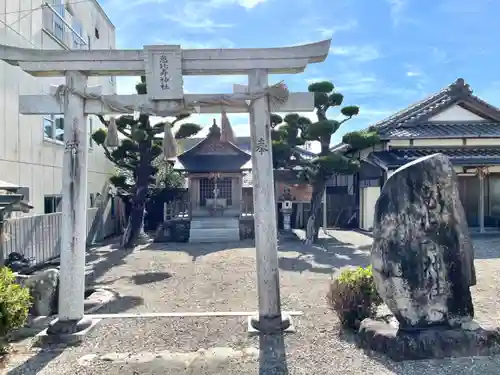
164, 72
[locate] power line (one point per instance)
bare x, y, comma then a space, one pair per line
18, 33
30, 11
26, 15
9, 26
39, 7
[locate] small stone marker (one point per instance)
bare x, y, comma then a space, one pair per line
423, 266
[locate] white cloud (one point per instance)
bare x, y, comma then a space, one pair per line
328, 32
123, 6
413, 74
398, 12
194, 44
356, 53
359, 84
317, 79
439, 55
249, 4
198, 14
207, 24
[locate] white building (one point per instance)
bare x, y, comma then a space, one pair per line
31, 147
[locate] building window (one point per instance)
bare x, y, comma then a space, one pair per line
58, 24
53, 127
78, 43
52, 203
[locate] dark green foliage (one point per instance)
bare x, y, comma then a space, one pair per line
294, 130
362, 139
322, 87
319, 129
350, 111
139, 161
187, 130
353, 296
15, 303
140, 141
99, 136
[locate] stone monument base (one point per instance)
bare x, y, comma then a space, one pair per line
438, 342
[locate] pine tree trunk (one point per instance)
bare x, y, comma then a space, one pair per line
314, 220
135, 224
135, 227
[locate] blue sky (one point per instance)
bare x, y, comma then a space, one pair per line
385, 55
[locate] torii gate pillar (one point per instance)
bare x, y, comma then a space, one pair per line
74, 211
266, 234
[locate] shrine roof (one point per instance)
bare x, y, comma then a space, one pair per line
466, 156
457, 93
444, 130
213, 155
415, 120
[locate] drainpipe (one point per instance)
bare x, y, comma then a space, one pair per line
324, 211
481, 176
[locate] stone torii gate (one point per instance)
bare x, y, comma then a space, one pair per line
163, 67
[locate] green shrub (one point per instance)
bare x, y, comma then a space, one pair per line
15, 302
353, 296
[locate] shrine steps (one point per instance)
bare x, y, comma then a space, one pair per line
214, 229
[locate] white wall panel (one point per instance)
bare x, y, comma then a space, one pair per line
25, 156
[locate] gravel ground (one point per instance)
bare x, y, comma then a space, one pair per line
187, 278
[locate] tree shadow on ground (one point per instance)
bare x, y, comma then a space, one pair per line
200, 249
272, 355
140, 278
101, 260
326, 256
36, 363
119, 305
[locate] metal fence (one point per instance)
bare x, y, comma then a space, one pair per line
38, 237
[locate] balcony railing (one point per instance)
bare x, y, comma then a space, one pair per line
55, 23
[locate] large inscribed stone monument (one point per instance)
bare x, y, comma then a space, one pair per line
422, 257
423, 267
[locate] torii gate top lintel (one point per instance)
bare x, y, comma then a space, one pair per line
129, 62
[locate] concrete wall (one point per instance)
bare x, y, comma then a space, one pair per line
27, 157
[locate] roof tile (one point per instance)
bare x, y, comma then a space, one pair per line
458, 156
444, 130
